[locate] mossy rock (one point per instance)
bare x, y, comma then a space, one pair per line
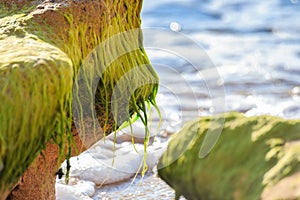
255, 158
36, 79
43, 46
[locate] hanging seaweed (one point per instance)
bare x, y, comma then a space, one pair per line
45, 66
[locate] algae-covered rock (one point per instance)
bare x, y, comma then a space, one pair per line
254, 158
35, 83
43, 48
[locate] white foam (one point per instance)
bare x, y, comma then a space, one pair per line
105, 163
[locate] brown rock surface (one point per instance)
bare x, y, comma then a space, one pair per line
38, 182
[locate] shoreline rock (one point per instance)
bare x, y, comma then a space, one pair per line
253, 157
70, 30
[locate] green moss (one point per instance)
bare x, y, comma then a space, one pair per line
13, 9
38, 66
35, 79
251, 154
126, 77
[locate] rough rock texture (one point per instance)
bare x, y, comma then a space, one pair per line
35, 78
42, 46
38, 181
254, 158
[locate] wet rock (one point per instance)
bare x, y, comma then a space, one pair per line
35, 78
42, 46
254, 158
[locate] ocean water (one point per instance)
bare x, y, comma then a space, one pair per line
254, 46
216, 56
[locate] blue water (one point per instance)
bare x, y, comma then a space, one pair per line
254, 45
248, 60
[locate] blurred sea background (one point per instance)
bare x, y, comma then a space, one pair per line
248, 61
254, 45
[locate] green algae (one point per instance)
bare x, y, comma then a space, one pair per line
127, 81
35, 80
37, 70
13, 9
252, 154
